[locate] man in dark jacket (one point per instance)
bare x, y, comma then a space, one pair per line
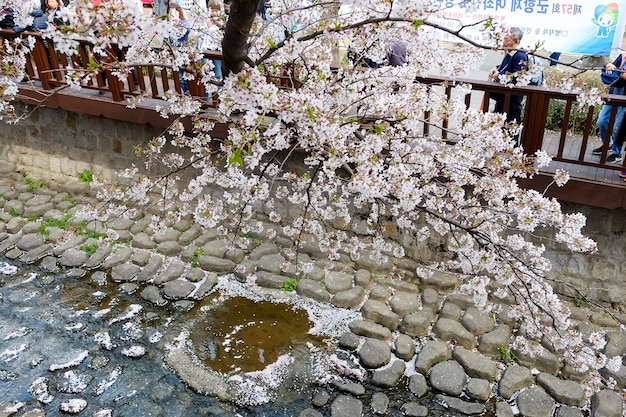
514, 61
396, 53
40, 22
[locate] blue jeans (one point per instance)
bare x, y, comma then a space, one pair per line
183, 82
218, 69
603, 123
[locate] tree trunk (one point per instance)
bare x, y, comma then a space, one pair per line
235, 42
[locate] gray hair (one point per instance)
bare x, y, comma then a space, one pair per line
516, 33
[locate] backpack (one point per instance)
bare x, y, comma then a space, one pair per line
538, 78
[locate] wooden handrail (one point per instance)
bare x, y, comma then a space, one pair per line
50, 68
47, 66
536, 107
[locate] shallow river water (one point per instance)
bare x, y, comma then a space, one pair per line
87, 340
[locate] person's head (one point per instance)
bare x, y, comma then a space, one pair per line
176, 11
216, 8
52, 4
513, 37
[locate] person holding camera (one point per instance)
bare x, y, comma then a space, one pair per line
617, 86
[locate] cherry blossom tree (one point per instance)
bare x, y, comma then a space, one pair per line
343, 159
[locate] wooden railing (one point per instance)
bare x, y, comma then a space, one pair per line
50, 68
46, 68
536, 107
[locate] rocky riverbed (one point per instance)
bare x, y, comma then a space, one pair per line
411, 347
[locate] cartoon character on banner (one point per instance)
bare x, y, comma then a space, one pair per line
606, 19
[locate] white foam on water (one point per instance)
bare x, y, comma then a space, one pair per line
79, 313
74, 327
155, 337
99, 295
74, 382
101, 313
104, 339
30, 277
133, 331
39, 390
134, 351
7, 269
74, 362
131, 311
111, 379
73, 406
8, 355
22, 331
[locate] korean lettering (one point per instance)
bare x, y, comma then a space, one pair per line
542, 6
494, 4
516, 5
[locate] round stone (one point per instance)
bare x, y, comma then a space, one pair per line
448, 377
375, 353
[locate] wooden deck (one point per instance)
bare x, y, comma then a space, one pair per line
573, 145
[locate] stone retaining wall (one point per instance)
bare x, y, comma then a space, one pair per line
56, 145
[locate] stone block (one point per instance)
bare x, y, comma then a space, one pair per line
380, 313
448, 377
417, 324
450, 330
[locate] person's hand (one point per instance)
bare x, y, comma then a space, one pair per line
493, 74
609, 67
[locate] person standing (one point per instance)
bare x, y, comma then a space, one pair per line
181, 37
619, 88
212, 38
513, 62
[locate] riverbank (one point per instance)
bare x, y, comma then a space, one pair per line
410, 345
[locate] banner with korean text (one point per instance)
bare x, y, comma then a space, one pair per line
589, 27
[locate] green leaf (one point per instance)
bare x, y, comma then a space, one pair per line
379, 128
236, 158
417, 24
311, 112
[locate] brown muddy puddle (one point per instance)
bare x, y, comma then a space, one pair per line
242, 335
